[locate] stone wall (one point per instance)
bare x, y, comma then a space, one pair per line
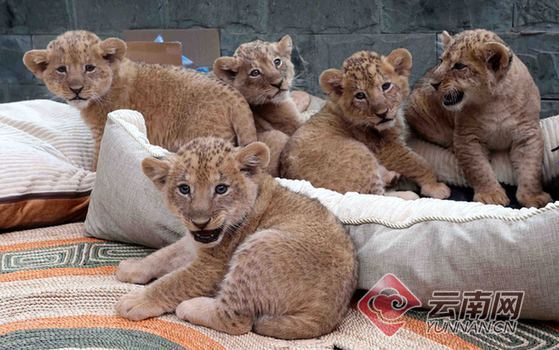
324, 31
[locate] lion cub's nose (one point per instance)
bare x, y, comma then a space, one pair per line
436, 85
278, 85
77, 90
201, 224
383, 114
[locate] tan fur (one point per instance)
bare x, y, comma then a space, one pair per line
273, 261
499, 110
343, 146
275, 113
302, 100
178, 104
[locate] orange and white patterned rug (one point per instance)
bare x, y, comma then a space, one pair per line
58, 290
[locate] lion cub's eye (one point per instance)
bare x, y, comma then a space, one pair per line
184, 189
89, 68
61, 69
360, 96
386, 86
277, 62
221, 189
459, 65
254, 72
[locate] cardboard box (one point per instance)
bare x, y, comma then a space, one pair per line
150, 52
201, 46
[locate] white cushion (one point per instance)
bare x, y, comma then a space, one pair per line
433, 244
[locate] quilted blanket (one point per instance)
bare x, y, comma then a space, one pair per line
58, 290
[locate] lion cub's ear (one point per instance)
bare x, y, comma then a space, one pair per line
498, 57
401, 60
157, 170
113, 49
226, 68
331, 81
285, 46
253, 157
446, 39
36, 61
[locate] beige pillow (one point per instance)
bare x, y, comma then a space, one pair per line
125, 206
46, 153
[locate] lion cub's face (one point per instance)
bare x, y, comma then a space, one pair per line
471, 65
77, 66
370, 88
210, 184
260, 70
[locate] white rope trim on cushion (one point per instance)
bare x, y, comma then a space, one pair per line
456, 220
335, 201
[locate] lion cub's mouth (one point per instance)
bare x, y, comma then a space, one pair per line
207, 236
453, 98
280, 91
385, 121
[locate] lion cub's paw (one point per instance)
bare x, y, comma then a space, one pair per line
193, 309
133, 271
390, 178
437, 190
497, 196
302, 100
138, 306
536, 200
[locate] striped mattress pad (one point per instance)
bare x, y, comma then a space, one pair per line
58, 290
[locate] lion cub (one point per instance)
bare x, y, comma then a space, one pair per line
263, 73
267, 259
481, 97
345, 146
96, 77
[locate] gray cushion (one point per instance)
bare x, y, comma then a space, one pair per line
125, 206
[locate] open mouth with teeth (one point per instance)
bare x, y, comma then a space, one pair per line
453, 98
206, 236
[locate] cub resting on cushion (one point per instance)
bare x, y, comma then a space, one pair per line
481, 97
263, 73
178, 104
346, 145
268, 259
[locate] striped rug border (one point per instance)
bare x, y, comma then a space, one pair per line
177, 333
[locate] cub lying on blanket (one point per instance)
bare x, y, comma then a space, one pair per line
481, 97
268, 259
345, 146
263, 73
178, 104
